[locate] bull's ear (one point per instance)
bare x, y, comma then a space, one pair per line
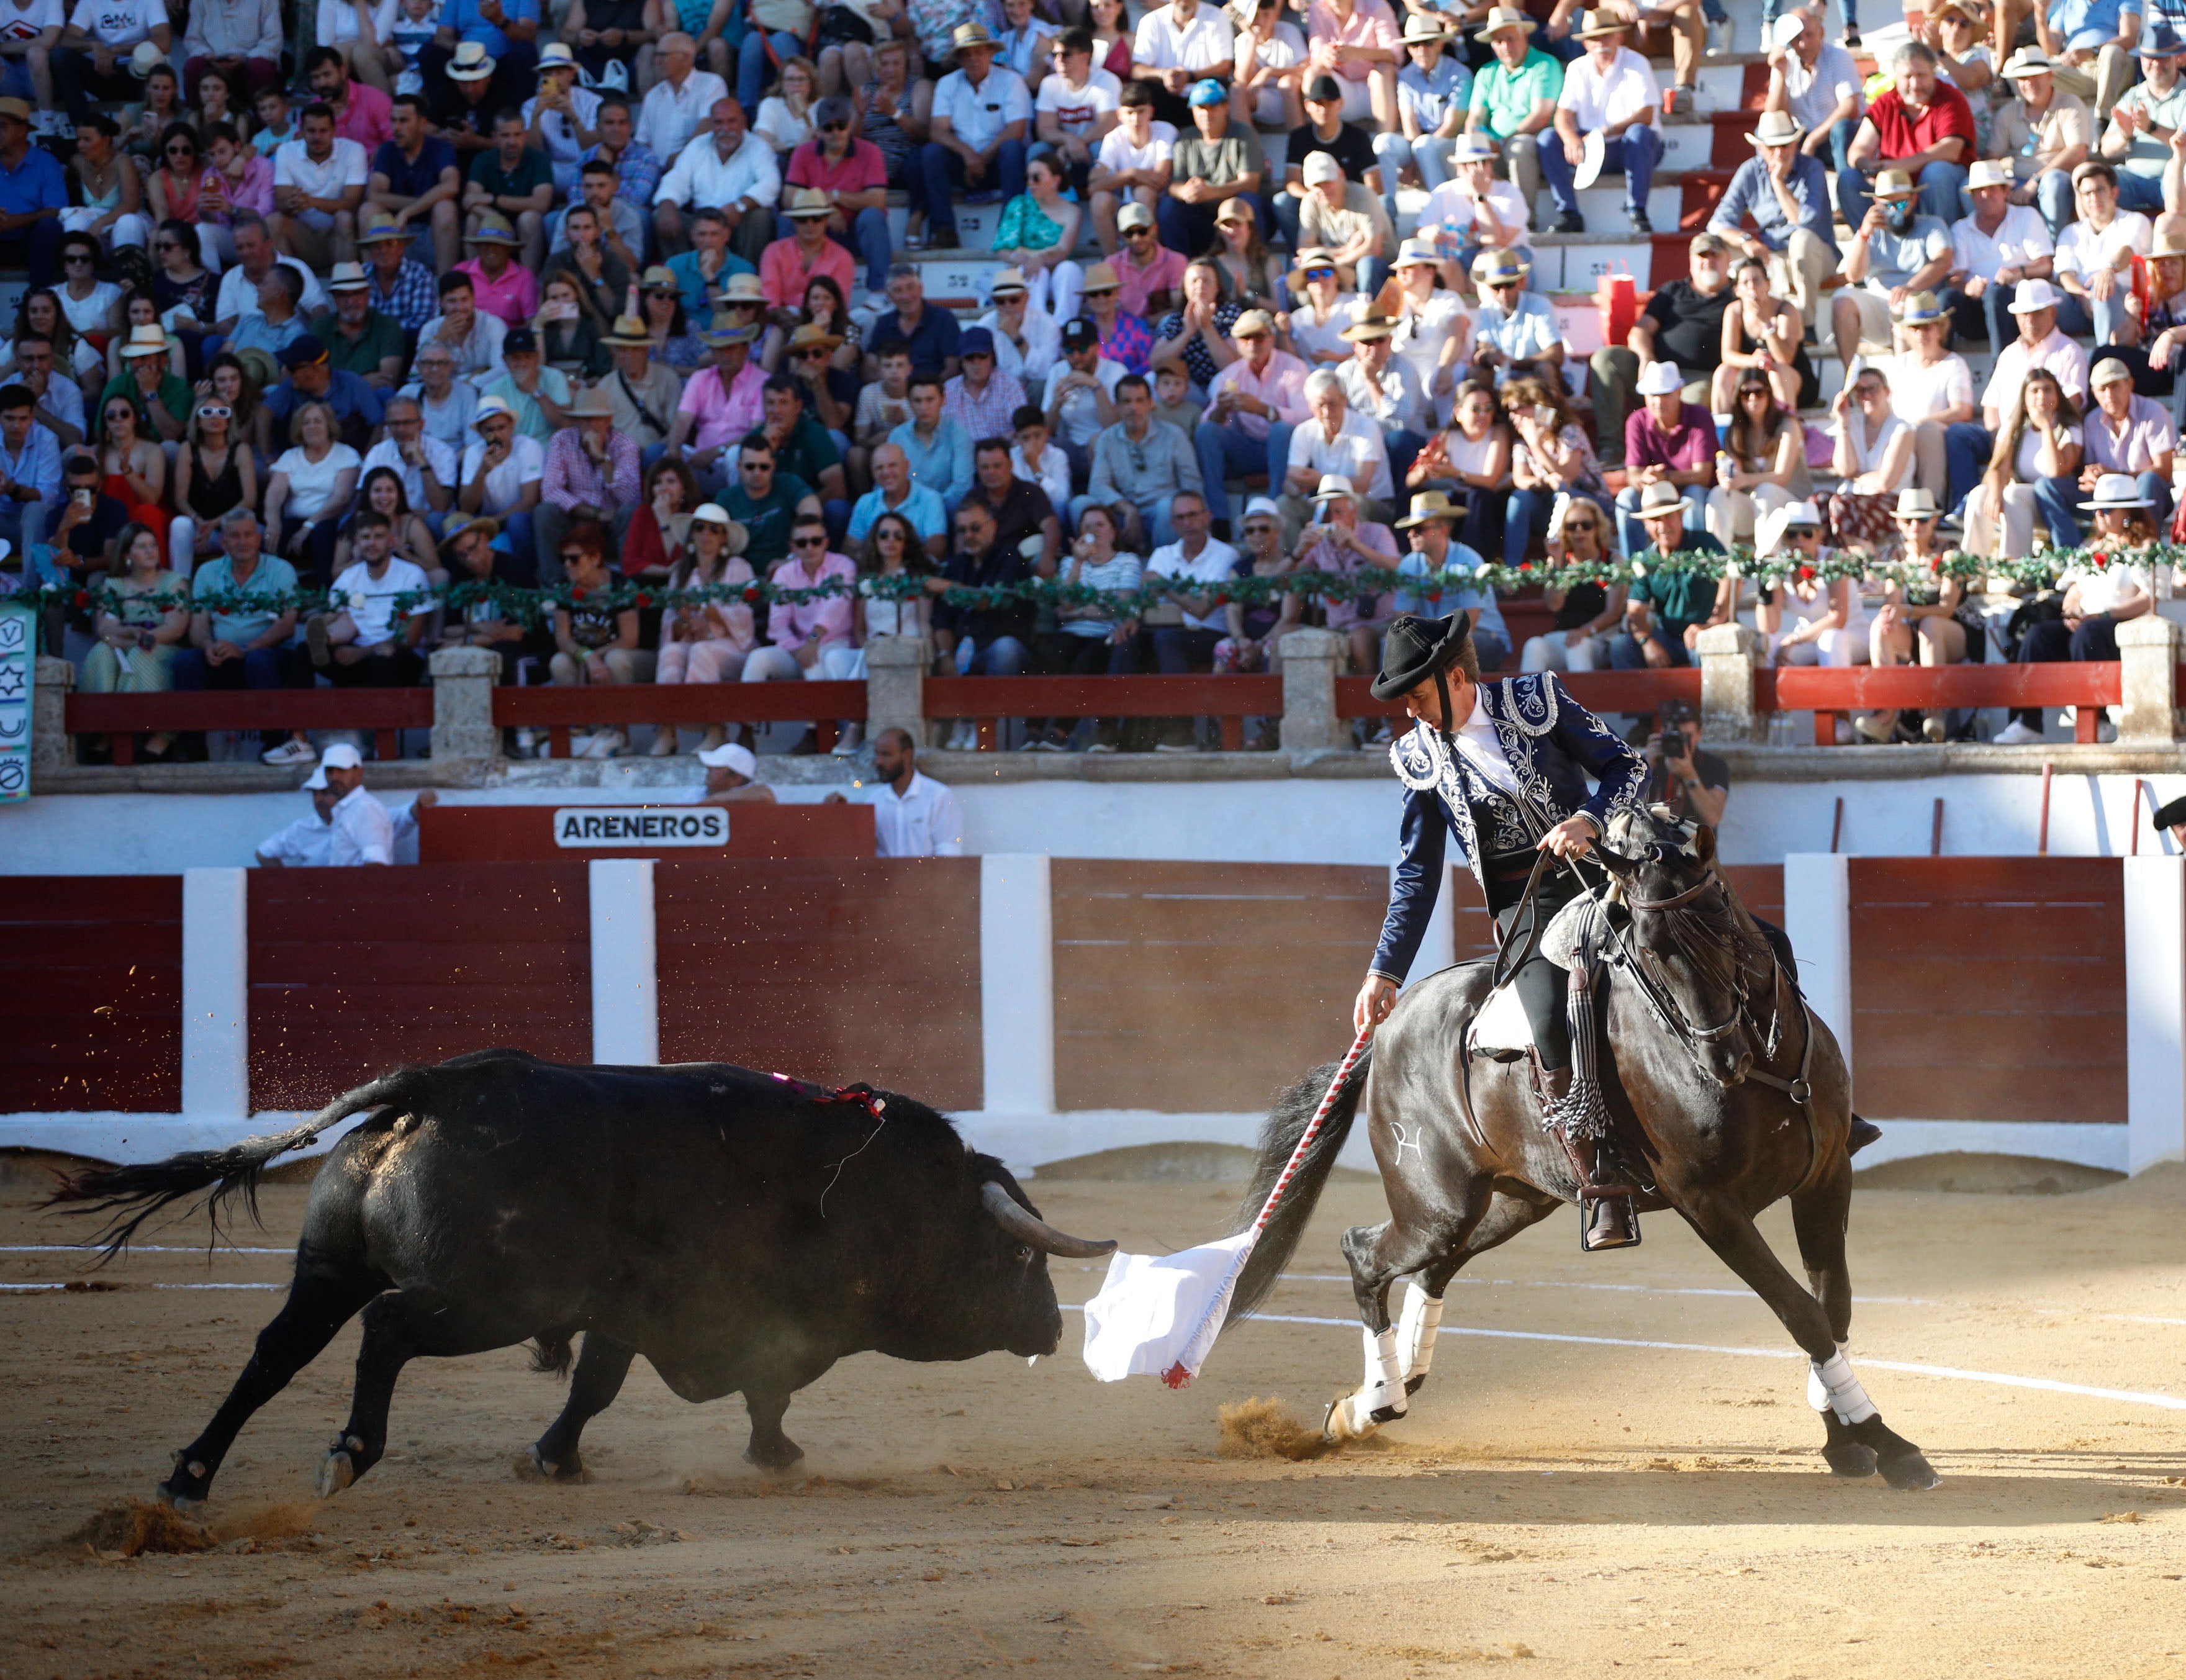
1704, 843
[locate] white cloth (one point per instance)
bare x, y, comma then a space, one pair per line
1918, 392
1813, 94
701, 176
1117, 153
1597, 98
524, 464
2021, 237
2057, 353
362, 832
1480, 747
2083, 251
311, 483
1076, 109
925, 822
669, 117
977, 115
1212, 567
1157, 1311
238, 294
370, 601
1162, 43
1356, 448
343, 166
389, 454
119, 23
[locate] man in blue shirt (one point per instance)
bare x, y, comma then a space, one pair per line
33, 193
415, 183
1784, 190
508, 30
937, 446
312, 377
931, 334
30, 470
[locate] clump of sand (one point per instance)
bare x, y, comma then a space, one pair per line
140, 1525
1268, 1428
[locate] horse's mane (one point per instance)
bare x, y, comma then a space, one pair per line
1715, 934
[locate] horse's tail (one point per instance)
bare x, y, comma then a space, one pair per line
1292, 1113
128, 1196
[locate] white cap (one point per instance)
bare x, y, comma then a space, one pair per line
1787, 32
1803, 513
1319, 166
1262, 507
731, 755
339, 756
2033, 294
1662, 378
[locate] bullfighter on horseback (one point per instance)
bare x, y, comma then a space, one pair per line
1499, 764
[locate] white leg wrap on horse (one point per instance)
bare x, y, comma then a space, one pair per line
1383, 1389
1832, 1387
1416, 1329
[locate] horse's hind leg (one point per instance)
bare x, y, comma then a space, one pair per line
1818, 1216
320, 1302
1727, 1230
1507, 1216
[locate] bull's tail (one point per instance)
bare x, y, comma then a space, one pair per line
126, 1197
1292, 1113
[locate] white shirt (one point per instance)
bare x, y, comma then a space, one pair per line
1481, 749
1356, 448
1451, 205
668, 119
28, 23
1310, 336
524, 464
1077, 109
924, 822
1597, 100
1080, 415
338, 21
2057, 353
1216, 564
370, 600
119, 23
362, 832
2083, 251
1813, 94
1916, 392
1163, 43
560, 140
1400, 402
311, 483
478, 355
1043, 344
238, 292
1116, 152
1053, 477
345, 165
2021, 237
977, 115
2101, 588
438, 455
701, 176
309, 844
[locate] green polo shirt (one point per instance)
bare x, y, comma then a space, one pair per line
1682, 596
533, 171
174, 397
1508, 97
273, 576
766, 523
809, 452
381, 339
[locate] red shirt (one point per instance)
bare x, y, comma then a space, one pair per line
785, 279
1902, 135
862, 168
366, 118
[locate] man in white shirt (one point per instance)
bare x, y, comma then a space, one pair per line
93, 61
2092, 263
675, 108
358, 643
1819, 84
914, 815
1077, 105
1379, 387
1081, 394
1336, 441
427, 465
1135, 161
562, 117
2039, 345
726, 168
362, 831
2000, 244
981, 111
1475, 209
502, 474
1198, 566
1178, 44
318, 183
254, 257
308, 842
1612, 93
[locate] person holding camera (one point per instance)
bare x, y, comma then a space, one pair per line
1680, 773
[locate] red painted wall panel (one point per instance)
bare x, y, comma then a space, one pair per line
94, 1018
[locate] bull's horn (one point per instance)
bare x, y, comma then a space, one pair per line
1026, 1228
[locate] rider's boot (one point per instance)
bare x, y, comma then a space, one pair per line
1605, 1200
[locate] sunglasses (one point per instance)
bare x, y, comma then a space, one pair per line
821, 355
808, 542
1148, 233
1312, 274
1502, 285
575, 557
756, 466
708, 525
213, 410
833, 127
1746, 392
181, 149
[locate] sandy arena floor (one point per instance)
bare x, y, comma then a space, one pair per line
1551, 1507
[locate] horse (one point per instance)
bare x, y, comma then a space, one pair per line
1725, 1093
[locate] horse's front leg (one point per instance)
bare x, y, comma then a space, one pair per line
1832, 1388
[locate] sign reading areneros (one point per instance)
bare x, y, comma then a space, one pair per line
581, 826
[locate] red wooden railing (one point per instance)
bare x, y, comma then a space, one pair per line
1831, 694
698, 704
1229, 700
121, 717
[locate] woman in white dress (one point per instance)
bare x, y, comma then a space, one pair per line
2040, 439
1809, 619
1874, 459
1763, 463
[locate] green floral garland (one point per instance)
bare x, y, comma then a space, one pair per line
528, 605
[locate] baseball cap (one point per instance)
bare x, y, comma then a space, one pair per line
339, 756
730, 755
1080, 333
519, 339
302, 353
1319, 166
975, 341
1208, 93
1323, 88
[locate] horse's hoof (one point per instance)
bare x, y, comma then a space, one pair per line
1850, 1458
337, 1472
1412, 1384
1910, 1473
1341, 1422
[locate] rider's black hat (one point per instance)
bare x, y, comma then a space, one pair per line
1416, 648
2170, 815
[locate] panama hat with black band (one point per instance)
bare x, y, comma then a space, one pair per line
1416, 649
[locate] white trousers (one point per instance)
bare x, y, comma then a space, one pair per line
1057, 291
2016, 521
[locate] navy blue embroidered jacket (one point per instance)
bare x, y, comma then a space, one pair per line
1553, 744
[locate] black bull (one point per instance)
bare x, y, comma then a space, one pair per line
741, 1231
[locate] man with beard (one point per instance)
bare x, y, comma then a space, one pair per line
1896, 250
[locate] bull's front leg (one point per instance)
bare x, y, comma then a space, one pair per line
769, 1448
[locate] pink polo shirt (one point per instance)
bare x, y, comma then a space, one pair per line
1282, 388
861, 169
1372, 25
1134, 285
785, 278
515, 297
723, 417
366, 118
789, 623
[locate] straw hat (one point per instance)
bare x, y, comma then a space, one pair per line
2115, 491
555, 55
810, 336
1312, 257
973, 35
1989, 172
742, 288
469, 63
1776, 128
1920, 308
807, 204
1500, 18
2027, 61
713, 513
1593, 24
1100, 277
1659, 499
591, 404
661, 277
1917, 504
348, 276
1412, 253
2030, 295
493, 229
490, 408
1499, 268
629, 333
1418, 28
1252, 324
148, 340
1472, 148
1894, 184
1011, 282
1430, 505
1368, 328
1335, 487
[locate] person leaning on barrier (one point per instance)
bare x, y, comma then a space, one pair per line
348, 826
914, 815
2098, 599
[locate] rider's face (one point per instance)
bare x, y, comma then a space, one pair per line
1424, 702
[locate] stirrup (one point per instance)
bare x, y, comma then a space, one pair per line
1592, 1196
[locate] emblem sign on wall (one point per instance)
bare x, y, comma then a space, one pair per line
18, 666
